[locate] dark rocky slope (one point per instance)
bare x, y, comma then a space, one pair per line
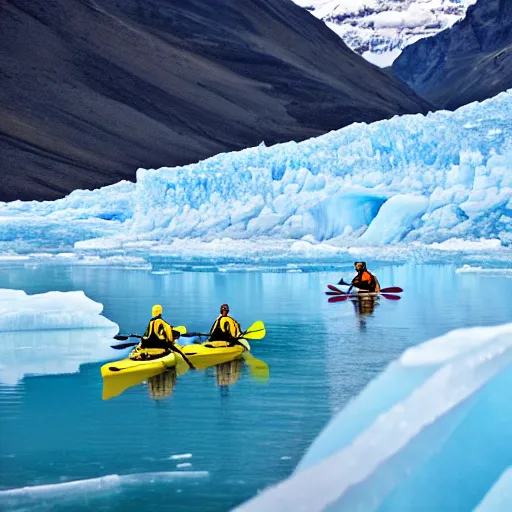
92, 90
469, 62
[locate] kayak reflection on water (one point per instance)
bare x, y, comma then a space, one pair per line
364, 306
162, 385
128, 372
228, 374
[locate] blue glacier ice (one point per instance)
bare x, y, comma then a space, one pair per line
50, 333
432, 432
443, 178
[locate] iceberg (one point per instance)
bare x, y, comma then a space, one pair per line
73, 492
50, 333
432, 432
414, 179
492, 272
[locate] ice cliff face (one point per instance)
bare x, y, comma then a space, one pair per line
415, 178
380, 29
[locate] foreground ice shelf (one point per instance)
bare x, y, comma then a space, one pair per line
432, 432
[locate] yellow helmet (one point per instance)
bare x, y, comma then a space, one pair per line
157, 310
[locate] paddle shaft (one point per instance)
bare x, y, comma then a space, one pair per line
390, 289
343, 297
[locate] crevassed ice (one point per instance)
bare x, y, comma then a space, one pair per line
50, 333
422, 179
434, 429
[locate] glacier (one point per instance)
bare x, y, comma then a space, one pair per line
431, 183
50, 333
432, 432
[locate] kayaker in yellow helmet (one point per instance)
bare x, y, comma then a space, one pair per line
158, 333
224, 328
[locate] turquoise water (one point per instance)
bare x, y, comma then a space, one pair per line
215, 445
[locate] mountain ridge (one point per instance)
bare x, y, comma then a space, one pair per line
98, 90
471, 61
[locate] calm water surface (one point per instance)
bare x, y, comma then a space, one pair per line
218, 445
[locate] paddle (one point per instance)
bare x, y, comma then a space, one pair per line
255, 332
180, 328
339, 298
172, 347
259, 369
390, 289
342, 298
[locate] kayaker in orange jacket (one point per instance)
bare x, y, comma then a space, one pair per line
365, 281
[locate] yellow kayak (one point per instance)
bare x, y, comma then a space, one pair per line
200, 355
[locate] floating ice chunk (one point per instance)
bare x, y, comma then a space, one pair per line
50, 333
180, 456
63, 492
14, 257
456, 244
495, 272
35, 353
52, 310
434, 428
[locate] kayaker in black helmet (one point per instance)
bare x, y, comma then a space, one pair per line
159, 333
224, 328
365, 281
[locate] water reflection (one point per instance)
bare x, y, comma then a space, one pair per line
364, 307
228, 373
161, 384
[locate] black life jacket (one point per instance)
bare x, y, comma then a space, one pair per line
155, 335
219, 332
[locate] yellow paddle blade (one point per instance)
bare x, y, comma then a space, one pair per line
256, 331
259, 369
181, 329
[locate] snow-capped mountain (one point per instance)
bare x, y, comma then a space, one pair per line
380, 29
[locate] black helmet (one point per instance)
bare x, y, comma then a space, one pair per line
224, 307
362, 263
